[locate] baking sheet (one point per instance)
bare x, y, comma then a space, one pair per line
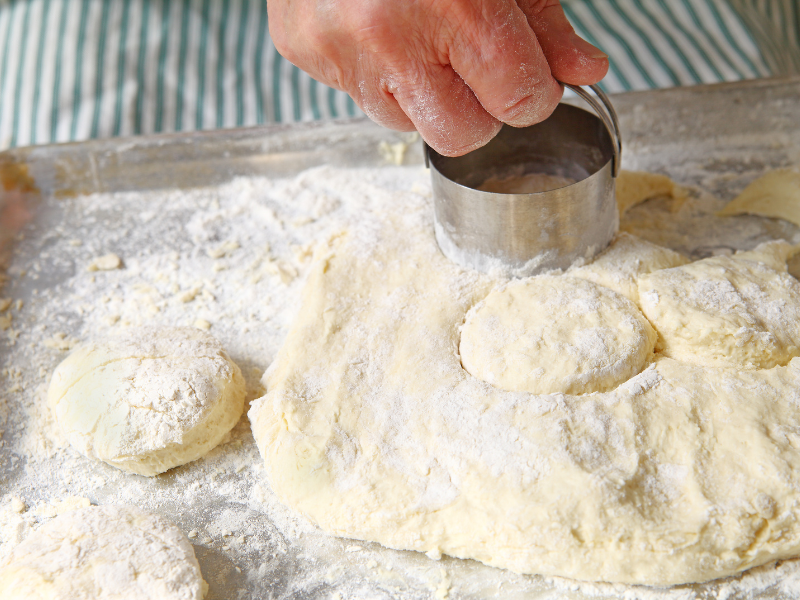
717, 138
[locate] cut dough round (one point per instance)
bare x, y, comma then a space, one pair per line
725, 311
552, 334
149, 400
103, 552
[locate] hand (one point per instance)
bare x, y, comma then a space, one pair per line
454, 70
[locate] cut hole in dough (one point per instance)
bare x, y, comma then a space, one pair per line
103, 552
553, 334
726, 311
149, 400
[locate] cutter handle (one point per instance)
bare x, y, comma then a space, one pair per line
609, 117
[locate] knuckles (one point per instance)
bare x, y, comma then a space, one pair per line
381, 51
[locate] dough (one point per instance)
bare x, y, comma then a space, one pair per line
726, 311
776, 194
619, 266
103, 552
149, 400
551, 334
634, 187
373, 430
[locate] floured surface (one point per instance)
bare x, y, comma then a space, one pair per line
236, 257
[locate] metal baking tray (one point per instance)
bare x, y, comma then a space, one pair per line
717, 138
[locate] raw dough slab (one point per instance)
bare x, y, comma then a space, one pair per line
373, 430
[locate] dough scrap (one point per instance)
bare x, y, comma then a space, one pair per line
373, 430
148, 400
776, 195
103, 552
726, 311
619, 266
634, 187
550, 334
775, 254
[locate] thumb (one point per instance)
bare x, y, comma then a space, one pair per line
571, 58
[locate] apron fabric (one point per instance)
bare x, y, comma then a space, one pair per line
79, 69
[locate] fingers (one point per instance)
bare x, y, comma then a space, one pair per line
455, 70
378, 103
571, 58
497, 54
444, 110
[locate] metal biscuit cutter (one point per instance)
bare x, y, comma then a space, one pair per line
521, 234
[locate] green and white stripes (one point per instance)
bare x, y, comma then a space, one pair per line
77, 69
661, 43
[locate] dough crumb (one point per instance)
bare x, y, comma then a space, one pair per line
202, 324
108, 262
17, 505
223, 249
60, 341
60, 507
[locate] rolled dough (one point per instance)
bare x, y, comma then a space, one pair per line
725, 311
551, 334
147, 400
372, 429
619, 266
103, 553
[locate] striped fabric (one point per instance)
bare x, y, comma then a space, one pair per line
79, 69
775, 25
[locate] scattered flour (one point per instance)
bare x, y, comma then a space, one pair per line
234, 257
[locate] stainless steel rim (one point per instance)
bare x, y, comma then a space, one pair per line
604, 109
609, 117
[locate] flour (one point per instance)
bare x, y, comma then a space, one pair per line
170, 243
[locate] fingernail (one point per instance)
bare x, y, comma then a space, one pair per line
586, 48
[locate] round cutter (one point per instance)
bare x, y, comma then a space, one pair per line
521, 234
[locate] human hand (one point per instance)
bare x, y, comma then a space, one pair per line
454, 70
